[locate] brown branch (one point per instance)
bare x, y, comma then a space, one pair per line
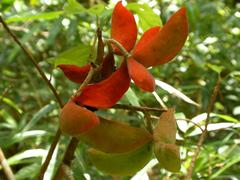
204, 134
137, 108
53, 90
6, 168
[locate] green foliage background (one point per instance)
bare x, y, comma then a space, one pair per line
29, 113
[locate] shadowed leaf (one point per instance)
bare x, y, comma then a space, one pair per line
168, 156
121, 163
115, 137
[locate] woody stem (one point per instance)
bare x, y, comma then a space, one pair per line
126, 54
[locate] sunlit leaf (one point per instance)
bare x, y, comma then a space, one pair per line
37, 16
175, 92
78, 55
145, 13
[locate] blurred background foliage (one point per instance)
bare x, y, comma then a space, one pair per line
29, 113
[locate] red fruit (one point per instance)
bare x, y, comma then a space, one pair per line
124, 28
165, 43
75, 119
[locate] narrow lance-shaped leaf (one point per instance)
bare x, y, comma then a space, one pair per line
107, 92
121, 164
140, 75
165, 44
115, 137
75, 73
124, 28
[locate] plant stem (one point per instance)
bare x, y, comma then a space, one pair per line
121, 48
53, 90
6, 168
204, 134
137, 108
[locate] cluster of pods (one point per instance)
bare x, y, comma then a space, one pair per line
117, 148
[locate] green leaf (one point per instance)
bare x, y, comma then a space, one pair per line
31, 17
115, 137
147, 17
11, 103
40, 114
121, 163
217, 69
32, 153
73, 7
97, 9
28, 172
78, 55
168, 156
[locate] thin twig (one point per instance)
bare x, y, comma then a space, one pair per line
204, 134
6, 168
137, 108
148, 119
32, 59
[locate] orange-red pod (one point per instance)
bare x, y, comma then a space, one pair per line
75, 119
140, 75
124, 28
107, 92
75, 73
165, 43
